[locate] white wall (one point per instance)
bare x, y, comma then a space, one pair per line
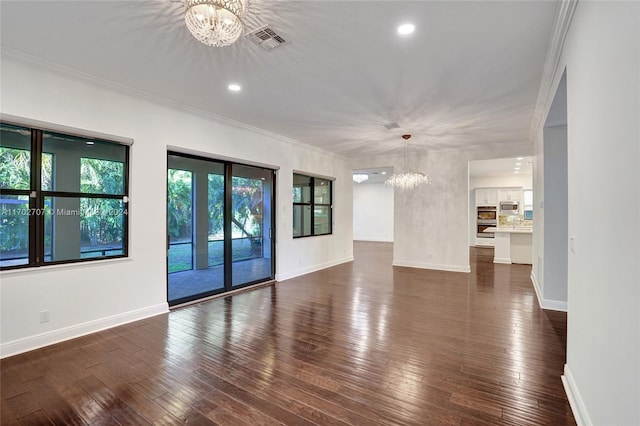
601, 56
525, 181
372, 212
431, 223
85, 297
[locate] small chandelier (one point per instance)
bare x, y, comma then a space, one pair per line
360, 177
215, 23
407, 180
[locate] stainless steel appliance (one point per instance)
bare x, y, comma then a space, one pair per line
487, 213
509, 207
486, 218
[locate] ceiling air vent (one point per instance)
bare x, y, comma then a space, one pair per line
266, 37
390, 126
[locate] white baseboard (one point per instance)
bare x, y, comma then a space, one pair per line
49, 338
504, 260
374, 240
536, 287
552, 305
437, 266
313, 268
580, 413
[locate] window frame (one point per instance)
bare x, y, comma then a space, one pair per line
36, 252
312, 205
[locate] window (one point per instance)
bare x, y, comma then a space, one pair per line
528, 204
312, 209
63, 198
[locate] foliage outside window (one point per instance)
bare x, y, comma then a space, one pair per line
312, 206
63, 198
247, 215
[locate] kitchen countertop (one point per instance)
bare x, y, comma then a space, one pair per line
510, 230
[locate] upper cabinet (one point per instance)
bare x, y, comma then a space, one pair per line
493, 196
510, 194
486, 196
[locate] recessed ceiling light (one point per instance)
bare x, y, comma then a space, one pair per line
384, 173
518, 164
406, 29
519, 158
517, 168
235, 87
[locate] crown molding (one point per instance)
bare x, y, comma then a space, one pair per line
92, 80
546, 92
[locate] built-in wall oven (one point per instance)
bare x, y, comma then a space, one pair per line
487, 218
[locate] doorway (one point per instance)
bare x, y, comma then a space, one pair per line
552, 264
220, 224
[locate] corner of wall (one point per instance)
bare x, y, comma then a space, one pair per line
547, 304
578, 407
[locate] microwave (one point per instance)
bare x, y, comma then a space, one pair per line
509, 207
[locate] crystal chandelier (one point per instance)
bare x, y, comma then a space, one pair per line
215, 22
360, 177
407, 180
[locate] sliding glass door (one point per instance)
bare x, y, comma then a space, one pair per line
251, 193
219, 221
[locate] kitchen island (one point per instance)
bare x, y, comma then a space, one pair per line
512, 245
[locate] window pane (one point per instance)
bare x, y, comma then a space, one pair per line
301, 221
14, 230
15, 157
215, 212
48, 229
180, 219
84, 165
251, 223
301, 189
101, 176
528, 197
84, 228
322, 191
246, 207
46, 173
322, 220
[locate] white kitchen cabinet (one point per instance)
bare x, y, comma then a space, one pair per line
486, 196
510, 194
513, 246
488, 242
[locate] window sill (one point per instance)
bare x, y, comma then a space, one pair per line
73, 265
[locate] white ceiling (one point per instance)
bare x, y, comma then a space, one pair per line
468, 76
500, 167
477, 168
376, 175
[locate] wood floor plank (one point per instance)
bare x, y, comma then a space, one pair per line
360, 343
22, 405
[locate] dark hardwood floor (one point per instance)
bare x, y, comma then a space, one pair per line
361, 343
